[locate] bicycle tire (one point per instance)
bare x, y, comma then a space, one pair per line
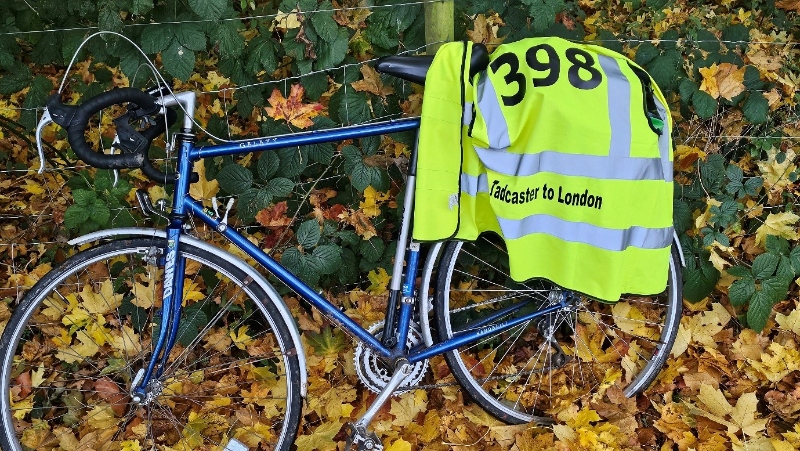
75, 343
520, 377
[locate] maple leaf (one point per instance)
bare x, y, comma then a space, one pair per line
321, 439
778, 224
274, 217
102, 302
372, 83
293, 110
725, 80
204, 189
744, 414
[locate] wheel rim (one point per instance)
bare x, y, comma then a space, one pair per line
522, 377
78, 352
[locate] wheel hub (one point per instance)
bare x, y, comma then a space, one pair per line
372, 371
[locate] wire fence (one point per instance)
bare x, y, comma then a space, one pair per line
15, 243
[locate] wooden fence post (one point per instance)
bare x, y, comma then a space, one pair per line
439, 24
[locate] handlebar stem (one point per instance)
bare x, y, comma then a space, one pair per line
186, 100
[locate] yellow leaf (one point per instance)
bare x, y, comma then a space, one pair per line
204, 189
744, 415
714, 400
240, 338
379, 281
709, 83
321, 439
101, 417
288, 20
406, 409
128, 343
102, 302
790, 322
778, 224
730, 80
776, 175
143, 295
191, 291
33, 187
130, 445
399, 445
372, 200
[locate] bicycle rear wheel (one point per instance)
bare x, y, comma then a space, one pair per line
74, 346
520, 375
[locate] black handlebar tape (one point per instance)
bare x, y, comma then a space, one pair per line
80, 121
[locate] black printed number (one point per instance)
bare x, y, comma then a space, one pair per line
582, 73
552, 65
513, 76
582, 60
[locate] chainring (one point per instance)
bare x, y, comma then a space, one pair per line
374, 374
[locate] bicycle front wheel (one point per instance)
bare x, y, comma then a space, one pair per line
538, 368
74, 346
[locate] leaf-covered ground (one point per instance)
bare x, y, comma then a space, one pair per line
729, 70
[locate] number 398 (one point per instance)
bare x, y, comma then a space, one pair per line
543, 58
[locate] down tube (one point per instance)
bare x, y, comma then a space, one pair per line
331, 311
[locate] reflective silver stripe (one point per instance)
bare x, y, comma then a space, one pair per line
581, 232
496, 126
466, 118
664, 148
619, 107
594, 166
473, 185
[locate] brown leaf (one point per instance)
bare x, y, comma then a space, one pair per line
372, 83
789, 5
274, 217
292, 109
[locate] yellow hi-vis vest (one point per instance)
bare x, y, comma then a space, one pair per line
562, 149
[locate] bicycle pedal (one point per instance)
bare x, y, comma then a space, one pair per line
363, 440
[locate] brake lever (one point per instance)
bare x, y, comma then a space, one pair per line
43, 122
114, 145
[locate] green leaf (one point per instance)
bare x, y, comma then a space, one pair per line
737, 35
100, 212
741, 291
208, 9
178, 60
734, 173
543, 12
347, 106
759, 311
328, 342
309, 233
261, 56
251, 202
700, 281
708, 41
777, 245
84, 198
234, 178
75, 216
739, 271
775, 288
687, 88
330, 54
328, 258
704, 105
140, 7
36, 97
156, 38
645, 53
227, 37
323, 22
764, 265
16, 80
756, 108
786, 270
190, 36
794, 256
268, 164
664, 69
363, 176
280, 187
192, 321
316, 84
348, 237
372, 250
108, 17
293, 162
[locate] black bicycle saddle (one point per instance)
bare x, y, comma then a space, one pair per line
414, 68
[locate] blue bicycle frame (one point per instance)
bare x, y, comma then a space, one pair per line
184, 205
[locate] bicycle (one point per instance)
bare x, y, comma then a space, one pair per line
129, 341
